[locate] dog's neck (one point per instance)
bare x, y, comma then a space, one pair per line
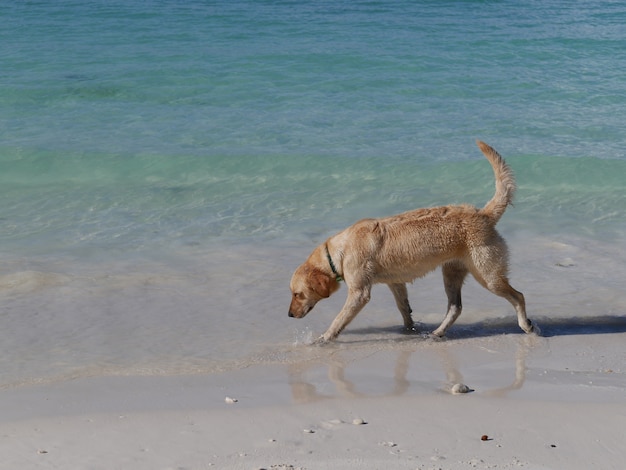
338, 277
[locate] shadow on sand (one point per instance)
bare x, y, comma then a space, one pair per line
550, 327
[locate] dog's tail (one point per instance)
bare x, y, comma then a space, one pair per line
505, 183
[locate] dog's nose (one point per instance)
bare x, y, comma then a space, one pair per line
290, 314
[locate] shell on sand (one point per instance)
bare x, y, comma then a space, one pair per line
460, 388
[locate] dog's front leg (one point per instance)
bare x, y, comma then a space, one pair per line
357, 299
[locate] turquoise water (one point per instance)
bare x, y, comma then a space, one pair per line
164, 166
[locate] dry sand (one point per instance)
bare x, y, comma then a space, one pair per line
556, 402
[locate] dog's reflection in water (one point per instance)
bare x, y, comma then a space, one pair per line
304, 391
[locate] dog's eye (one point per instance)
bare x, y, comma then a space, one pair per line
297, 295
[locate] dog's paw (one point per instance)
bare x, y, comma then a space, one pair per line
321, 341
533, 329
411, 330
433, 337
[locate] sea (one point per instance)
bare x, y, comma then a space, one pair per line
166, 165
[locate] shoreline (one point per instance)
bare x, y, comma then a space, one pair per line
555, 402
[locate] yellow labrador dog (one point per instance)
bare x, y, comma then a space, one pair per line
398, 249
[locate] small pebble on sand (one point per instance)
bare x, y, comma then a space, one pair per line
358, 421
230, 400
388, 444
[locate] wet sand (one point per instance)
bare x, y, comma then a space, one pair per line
551, 402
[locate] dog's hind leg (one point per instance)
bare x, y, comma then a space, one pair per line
491, 273
402, 301
516, 298
454, 273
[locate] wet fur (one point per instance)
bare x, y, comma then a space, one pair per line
398, 249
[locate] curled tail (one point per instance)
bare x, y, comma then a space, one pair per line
505, 183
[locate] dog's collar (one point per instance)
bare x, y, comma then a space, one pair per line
338, 277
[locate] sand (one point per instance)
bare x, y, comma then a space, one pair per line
554, 402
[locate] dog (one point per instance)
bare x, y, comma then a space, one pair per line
395, 250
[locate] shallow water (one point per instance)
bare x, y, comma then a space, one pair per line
165, 167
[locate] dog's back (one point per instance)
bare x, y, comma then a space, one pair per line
408, 245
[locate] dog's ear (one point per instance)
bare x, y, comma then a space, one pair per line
322, 284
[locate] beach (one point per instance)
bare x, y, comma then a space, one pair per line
375, 398
543, 403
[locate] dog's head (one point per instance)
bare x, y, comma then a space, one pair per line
308, 286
